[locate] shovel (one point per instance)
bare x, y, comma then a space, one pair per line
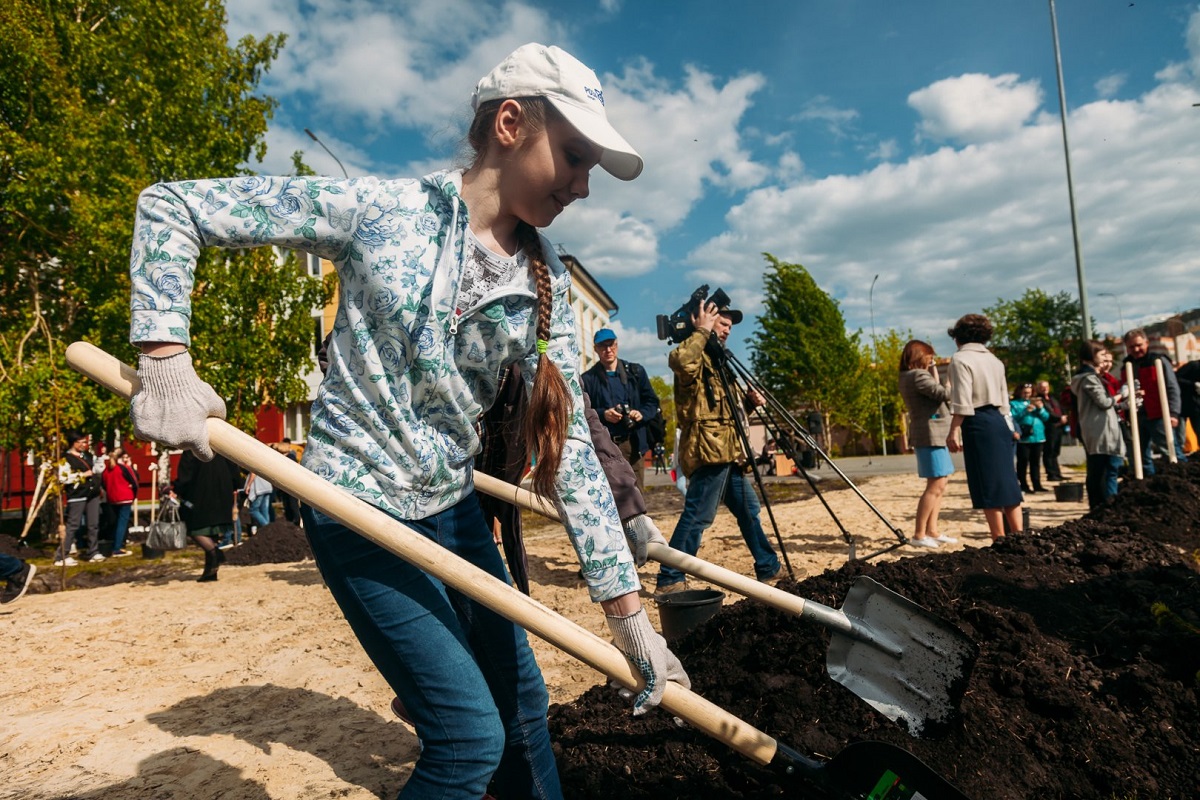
907, 663
853, 772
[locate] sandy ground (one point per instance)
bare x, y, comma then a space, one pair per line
254, 687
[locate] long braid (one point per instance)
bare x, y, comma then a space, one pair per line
550, 400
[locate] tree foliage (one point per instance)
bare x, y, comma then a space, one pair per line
800, 350
666, 401
878, 407
1036, 336
99, 99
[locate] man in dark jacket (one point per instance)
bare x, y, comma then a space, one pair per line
1152, 417
1188, 376
621, 393
80, 479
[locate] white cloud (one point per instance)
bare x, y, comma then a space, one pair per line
885, 151
975, 108
952, 231
838, 121
1108, 86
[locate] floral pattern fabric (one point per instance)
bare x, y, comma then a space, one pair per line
394, 419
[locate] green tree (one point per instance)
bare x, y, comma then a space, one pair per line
800, 350
1036, 336
666, 400
99, 99
879, 385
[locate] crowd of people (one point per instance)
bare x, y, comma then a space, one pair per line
213, 499
1009, 438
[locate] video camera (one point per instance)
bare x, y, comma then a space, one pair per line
678, 326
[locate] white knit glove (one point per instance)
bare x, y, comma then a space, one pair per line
173, 403
641, 531
636, 638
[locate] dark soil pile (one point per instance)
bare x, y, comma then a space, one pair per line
1087, 683
280, 542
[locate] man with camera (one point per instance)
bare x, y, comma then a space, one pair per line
710, 450
621, 393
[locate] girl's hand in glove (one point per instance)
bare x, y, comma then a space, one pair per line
641, 531
173, 403
636, 638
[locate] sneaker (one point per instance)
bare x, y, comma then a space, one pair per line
121, 553
925, 541
946, 539
17, 584
74, 551
225, 546
65, 562
671, 588
96, 559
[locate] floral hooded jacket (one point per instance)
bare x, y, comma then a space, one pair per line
393, 422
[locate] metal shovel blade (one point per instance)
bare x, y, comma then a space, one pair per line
907, 663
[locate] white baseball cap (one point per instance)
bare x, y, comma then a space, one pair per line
535, 70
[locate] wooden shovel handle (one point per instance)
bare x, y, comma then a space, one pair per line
733, 581
463, 576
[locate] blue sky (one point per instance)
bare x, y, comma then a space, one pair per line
919, 141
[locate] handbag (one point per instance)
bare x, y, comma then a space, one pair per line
168, 532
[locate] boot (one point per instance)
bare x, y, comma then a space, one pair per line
210, 567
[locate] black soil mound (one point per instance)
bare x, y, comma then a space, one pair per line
280, 542
1086, 685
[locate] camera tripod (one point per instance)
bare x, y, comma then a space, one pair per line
786, 429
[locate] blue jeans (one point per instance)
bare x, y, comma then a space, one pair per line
1102, 472
10, 566
260, 509
121, 527
466, 675
1152, 433
706, 488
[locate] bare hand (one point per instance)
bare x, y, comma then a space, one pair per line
706, 317
635, 415
952, 443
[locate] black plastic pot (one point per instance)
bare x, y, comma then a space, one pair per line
682, 612
1069, 492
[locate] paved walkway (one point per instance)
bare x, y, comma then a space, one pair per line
863, 466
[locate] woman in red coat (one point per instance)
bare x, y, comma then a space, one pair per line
121, 486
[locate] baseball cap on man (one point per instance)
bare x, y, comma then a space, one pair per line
535, 70
734, 315
604, 335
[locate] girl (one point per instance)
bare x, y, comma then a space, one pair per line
925, 397
445, 282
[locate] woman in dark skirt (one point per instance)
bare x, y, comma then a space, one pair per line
979, 403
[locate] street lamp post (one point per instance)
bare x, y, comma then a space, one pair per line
1062, 111
313, 136
1120, 315
875, 345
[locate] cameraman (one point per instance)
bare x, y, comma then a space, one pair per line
710, 451
621, 393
